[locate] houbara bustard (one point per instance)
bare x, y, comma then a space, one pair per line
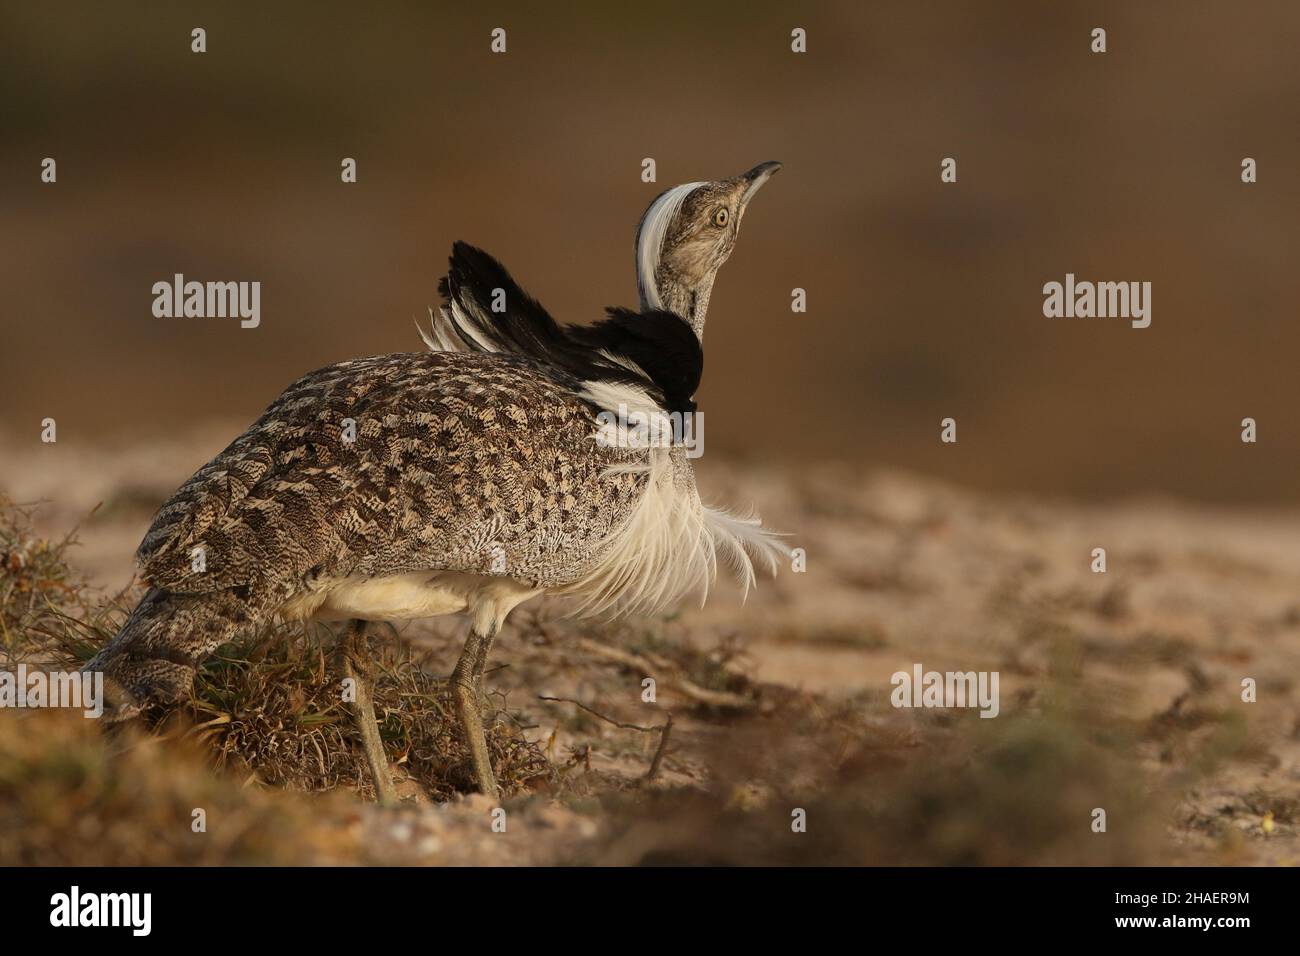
468, 478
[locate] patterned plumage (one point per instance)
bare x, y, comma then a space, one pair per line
453, 454
468, 478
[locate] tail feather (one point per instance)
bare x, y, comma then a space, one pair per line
155, 655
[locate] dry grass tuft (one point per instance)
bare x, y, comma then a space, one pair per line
47, 614
271, 709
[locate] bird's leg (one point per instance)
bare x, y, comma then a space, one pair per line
466, 688
480, 667
355, 666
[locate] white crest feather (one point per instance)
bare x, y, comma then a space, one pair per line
650, 240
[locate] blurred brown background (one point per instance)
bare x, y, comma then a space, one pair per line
924, 299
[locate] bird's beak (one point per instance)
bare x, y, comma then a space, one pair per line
755, 178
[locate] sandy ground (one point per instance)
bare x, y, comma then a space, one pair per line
1148, 658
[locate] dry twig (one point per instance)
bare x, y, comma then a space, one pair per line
664, 729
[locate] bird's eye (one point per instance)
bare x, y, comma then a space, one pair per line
720, 217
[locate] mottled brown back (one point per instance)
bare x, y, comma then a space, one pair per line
459, 459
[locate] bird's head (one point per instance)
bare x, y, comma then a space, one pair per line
684, 238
